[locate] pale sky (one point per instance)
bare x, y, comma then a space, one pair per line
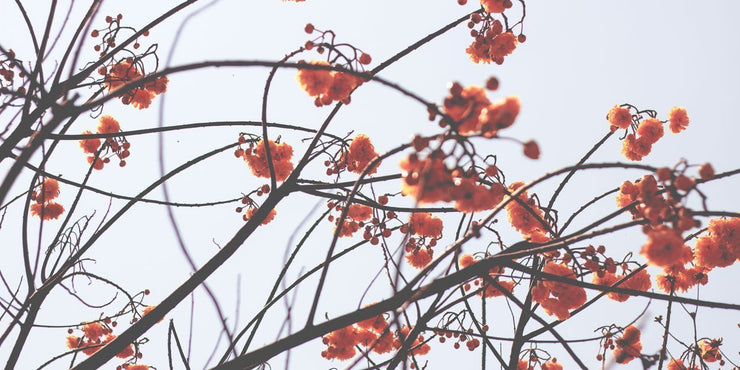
580, 59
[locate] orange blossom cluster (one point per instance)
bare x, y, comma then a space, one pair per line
427, 229
665, 247
118, 146
126, 71
558, 298
95, 336
356, 158
637, 145
491, 42
327, 86
43, 207
373, 334
256, 158
628, 346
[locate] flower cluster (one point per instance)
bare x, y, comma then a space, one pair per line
658, 206
256, 158
647, 131
357, 214
427, 229
327, 86
628, 345
114, 146
359, 155
638, 281
526, 217
558, 298
709, 350
252, 210
356, 158
429, 180
127, 71
721, 246
492, 40
95, 336
43, 206
677, 364
471, 112
683, 266
373, 334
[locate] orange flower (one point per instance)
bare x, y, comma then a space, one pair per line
359, 212
639, 281
341, 86
495, 6
680, 279
419, 258
664, 247
49, 190
493, 291
340, 344
628, 346
137, 367
619, 117
552, 366
141, 98
426, 225
677, 364
493, 46
376, 324
709, 253
726, 232
677, 119
99, 164
635, 149
349, 227
651, 129
157, 86
384, 344
464, 106
361, 152
565, 296
471, 197
499, 115
89, 146
710, 350
525, 218
108, 125
503, 45
315, 81
252, 210
281, 155
427, 180
51, 210
93, 331
121, 73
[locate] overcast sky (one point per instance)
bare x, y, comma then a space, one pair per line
580, 59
